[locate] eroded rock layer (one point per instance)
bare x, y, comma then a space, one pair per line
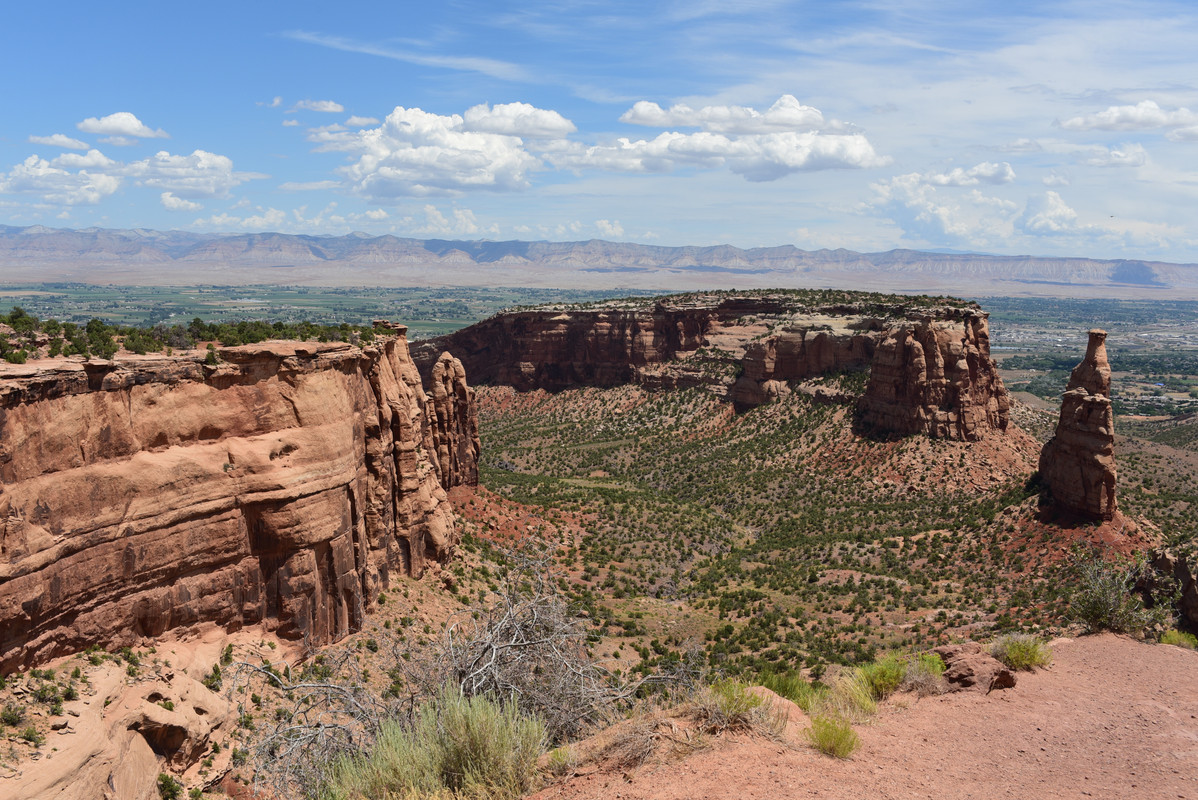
935, 376
928, 361
1078, 462
284, 486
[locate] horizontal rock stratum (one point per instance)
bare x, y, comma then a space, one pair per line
284, 485
928, 359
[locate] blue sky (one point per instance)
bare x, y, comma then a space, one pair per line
1066, 128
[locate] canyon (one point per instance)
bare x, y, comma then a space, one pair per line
284, 486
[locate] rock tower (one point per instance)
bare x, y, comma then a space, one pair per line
1078, 463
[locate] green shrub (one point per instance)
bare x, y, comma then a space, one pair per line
1021, 651
1105, 598
925, 675
33, 736
727, 705
850, 697
832, 736
12, 714
883, 676
473, 747
561, 761
1180, 638
168, 787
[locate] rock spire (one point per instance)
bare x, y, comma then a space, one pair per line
1078, 463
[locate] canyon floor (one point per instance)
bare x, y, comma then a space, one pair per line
1111, 718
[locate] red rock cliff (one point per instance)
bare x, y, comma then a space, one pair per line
285, 485
936, 377
1078, 463
930, 366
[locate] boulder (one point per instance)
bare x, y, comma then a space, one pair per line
969, 666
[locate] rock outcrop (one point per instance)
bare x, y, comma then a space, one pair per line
554, 350
1078, 463
929, 362
284, 486
936, 377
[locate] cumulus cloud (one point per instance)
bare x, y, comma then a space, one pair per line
436, 223
121, 124
986, 172
1047, 214
323, 106
269, 218
1127, 155
1187, 134
291, 123
763, 157
59, 140
361, 122
760, 146
1143, 116
201, 174
92, 159
609, 227
786, 114
417, 153
916, 204
56, 185
172, 203
516, 119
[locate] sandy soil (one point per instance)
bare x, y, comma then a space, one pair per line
1112, 718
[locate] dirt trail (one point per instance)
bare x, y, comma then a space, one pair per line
1112, 718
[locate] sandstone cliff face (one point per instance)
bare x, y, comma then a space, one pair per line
554, 350
1078, 463
795, 355
284, 486
936, 377
930, 366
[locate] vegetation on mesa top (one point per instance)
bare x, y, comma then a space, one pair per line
32, 337
791, 300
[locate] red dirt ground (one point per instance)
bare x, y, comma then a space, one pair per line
1112, 718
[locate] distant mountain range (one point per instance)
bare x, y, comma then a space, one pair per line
98, 255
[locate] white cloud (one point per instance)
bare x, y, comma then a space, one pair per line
516, 119
1143, 116
291, 123
123, 124
1188, 134
786, 114
271, 218
308, 186
1047, 214
1127, 155
1057, 177
763, 157
913, 202
91, 160
56, 185
275, 102
611, 228
361, 122
201, 174
172, 203
417, 153
986, 172
119, 141
437, 224
323, 106
59, 140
